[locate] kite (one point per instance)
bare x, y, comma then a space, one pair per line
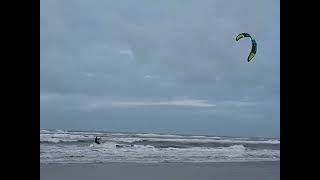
254, 44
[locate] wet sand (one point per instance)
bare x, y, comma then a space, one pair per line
162, 171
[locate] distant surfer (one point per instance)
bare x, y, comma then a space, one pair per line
97, 140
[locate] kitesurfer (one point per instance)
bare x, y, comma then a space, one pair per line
97, 140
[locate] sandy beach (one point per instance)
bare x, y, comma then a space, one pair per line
161, 171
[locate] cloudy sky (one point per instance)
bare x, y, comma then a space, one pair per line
160, 66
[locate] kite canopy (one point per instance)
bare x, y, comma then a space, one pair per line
254, 44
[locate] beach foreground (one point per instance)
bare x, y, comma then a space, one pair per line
162, 171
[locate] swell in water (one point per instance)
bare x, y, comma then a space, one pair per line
59, 146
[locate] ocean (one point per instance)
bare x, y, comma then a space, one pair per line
61, 146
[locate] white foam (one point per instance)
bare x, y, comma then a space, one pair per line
198, 137
61, 131
64, 137
120, 134
54, 140
208, 140
125, 139
44, 131
150, 135
107, 152
86, 133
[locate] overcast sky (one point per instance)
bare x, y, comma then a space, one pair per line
160, 66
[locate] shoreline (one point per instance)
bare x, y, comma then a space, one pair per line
163, 163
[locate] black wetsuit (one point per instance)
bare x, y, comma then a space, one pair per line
97, 140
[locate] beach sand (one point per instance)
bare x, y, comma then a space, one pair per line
162, 171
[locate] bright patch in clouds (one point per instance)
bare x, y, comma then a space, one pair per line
88, 75
134, 104
127, 52
151, 77
87, 102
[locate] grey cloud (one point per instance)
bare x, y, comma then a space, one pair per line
161, 50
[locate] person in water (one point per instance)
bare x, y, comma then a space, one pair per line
97, 140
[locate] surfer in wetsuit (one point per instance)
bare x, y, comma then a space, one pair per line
97, 140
